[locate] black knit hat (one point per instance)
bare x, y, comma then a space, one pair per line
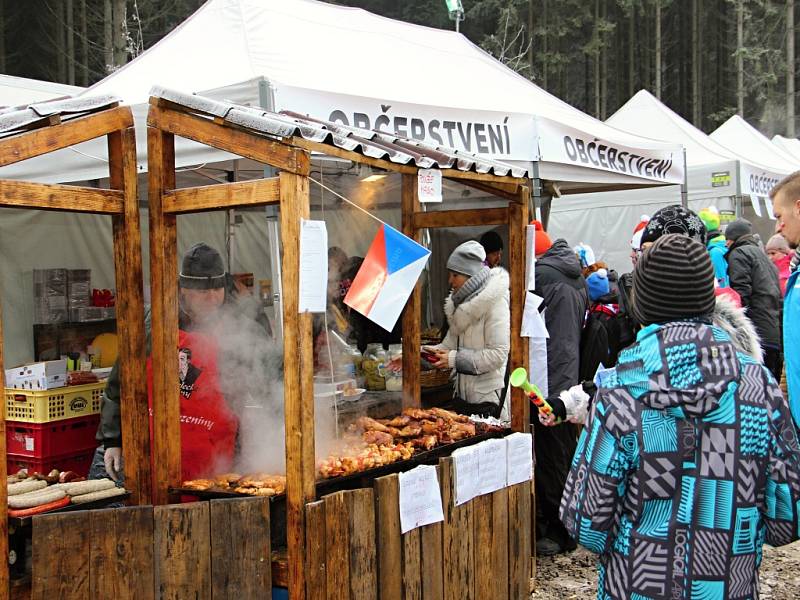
673, 280
491, 242
202, 268
674, 219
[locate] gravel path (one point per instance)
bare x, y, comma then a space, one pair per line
573, 576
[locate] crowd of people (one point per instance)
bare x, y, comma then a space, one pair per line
688, 461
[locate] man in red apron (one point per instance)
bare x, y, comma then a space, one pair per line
208, 426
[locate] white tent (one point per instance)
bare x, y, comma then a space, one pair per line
605, 221
19, 91
790, 146
348, 65
755, 149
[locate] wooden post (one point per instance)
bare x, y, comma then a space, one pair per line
164, 334
130, 308
4, 577
517, 219
298, 383
413, 308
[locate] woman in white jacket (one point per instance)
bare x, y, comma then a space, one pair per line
476, 345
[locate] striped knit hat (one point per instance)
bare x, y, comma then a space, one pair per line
673, 280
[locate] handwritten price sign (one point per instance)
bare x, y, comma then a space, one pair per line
429, 185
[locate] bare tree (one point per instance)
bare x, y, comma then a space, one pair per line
108, 35
697, 95
70, 34
790, 68
740, 57
84, 65
120, 13
658, 49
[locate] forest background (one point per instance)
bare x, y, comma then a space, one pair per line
706, 59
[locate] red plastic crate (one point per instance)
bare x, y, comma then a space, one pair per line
78, 462
57, 438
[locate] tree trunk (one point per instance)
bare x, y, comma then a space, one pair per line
84, 44
545, 55
740, 57
631, 50
603, 66
790, 68
3, 37
597, 58
530, 40
108, 36
696, 58
70, 31
120, 33
658, 50
61, 42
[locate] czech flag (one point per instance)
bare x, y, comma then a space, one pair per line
387, 277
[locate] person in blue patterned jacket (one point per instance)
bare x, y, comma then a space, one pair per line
689, 460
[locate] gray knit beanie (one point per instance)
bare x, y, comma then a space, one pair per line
737, 229
467, 259
673, 280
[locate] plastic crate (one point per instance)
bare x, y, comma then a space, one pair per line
78, 462
45, 406
42, 440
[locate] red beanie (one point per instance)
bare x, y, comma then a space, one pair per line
543, 241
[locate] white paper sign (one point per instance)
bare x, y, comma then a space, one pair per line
467, 473
420, 498
313, 266
520, 457
532, 322
429, 185
29, 444
530, 255
492, 465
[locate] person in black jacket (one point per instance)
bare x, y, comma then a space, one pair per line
560, 282
754, 277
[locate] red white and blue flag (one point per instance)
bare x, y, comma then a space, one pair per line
387, 277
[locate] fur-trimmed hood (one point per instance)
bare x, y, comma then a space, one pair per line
470, 311
730, 318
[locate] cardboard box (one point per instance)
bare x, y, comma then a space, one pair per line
38, 376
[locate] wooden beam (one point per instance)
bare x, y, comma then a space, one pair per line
229, 139
298, 384
49, 139
412, 313
517, 220
164, 293
460, 218
50, 196
506, 191
221, 196
352, 156
4, 574
486, 177
130, 314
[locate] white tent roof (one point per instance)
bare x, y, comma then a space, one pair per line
647, 115
19, 91
790, 146
432, 84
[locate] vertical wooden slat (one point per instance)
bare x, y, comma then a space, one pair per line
316, 548
363, 563
60, 557
432, 560
412, 567
457, 539
337, 531
298, 381
412, 311
130, 315
182, 552
387, 531
519, 540
164, 308
482, 521
4, 573
121, 556
241, 561
499, 554
517, 219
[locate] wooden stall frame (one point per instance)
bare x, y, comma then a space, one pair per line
290, 190
121, 203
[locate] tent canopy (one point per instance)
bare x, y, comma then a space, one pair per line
790, 146
428, 84
19, 91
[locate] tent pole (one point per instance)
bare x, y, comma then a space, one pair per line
536, 194
685, 184
266, 100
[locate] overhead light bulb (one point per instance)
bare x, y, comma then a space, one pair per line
373, 178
